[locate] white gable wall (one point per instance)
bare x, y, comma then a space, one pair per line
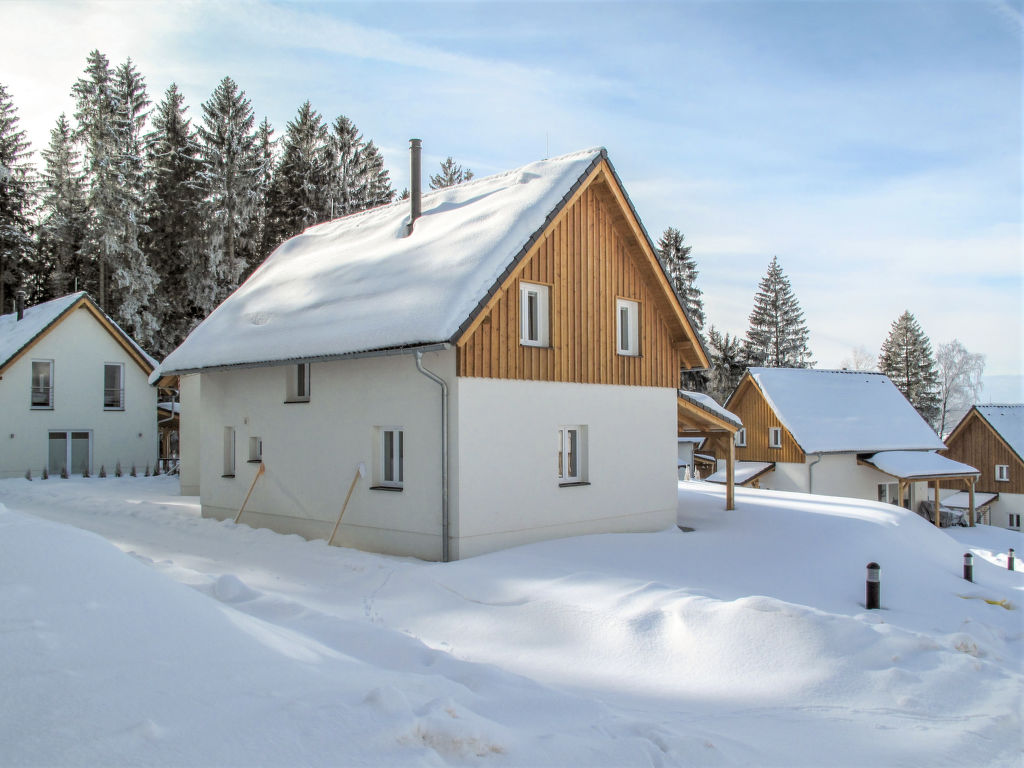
188, 434
79, 346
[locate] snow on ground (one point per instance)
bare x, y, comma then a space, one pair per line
745, 642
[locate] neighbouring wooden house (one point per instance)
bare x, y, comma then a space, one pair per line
74, 393
500, 357
991, 438
838, 433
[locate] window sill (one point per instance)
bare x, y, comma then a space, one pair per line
291, 402
228, 476
574, 484
393, 488
121, 409
254, 461
534, 345
41, 407
620, 353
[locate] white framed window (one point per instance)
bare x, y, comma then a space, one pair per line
889, 493
1014, 521
774, 437
1003, 473
627, 327
572, 452
391, 458
229, 452
741, 437
297, 388
42, 383
256, 449
70, 451
113, 386
534, 315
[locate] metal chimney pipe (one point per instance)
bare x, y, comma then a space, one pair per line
19, 303
415, 195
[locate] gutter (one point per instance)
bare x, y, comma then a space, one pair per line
445, 557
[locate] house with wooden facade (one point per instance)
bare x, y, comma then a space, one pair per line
482, 366
838, 433
74, 393
991, 438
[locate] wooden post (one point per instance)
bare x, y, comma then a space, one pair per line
935, 485
730, 474
360, 471
242, 508
970, 493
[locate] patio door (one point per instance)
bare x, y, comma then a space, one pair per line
71, 450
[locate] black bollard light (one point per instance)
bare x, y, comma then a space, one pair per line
873, 587
968, 566
1009, 560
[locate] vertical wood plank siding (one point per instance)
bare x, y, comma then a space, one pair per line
588, 264
975, 443
757, 416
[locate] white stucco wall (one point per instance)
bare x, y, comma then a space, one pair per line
188, 434
1006, 504
506, 480
311, 450
79, 347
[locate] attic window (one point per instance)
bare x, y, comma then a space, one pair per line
42, 383
775, 437
741, 438
1003, 473
297, 386
534, 314
628, 327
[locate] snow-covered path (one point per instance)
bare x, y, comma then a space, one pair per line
743, 643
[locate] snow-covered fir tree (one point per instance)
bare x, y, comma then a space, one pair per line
777, 335
681, 270
266, 150
16, 204
906, 358
451, 173
299, 194
173, 240
358, 179
376, 186
231, 169
63, 217
728, 363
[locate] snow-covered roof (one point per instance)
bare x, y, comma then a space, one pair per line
16, 334
910, 465
362, 283
1008, 421
962, 500
844, 411
745, 471
708, 403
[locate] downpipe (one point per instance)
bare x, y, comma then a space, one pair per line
810, 474
444, 452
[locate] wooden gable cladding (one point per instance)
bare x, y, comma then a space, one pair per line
752, 408
588, 258
974, 442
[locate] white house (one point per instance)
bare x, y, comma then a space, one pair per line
501, 356
73, 392
839, 433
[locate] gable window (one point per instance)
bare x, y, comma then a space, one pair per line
255, 449
534, 315
42, 383
775, 437
571, 455
741, 438
391, 459
297, 387
627, 327
1003, 473
113, 387
229, 452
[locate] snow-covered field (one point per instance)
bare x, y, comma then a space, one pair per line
167, 639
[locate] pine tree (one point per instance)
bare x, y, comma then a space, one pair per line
173, 240
63, 216
777, 336
728, 363
451, 173
343, 188
906, 358
266, 151
377, 189
681, 270
231, 168
299, 194
16, 203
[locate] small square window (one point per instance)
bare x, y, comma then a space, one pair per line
297, 387
229, 452
534, 315
113, 387
775, 437
741, 438
1003, 473
627, 327
1014, 521
42, 383
256, 449
572, 454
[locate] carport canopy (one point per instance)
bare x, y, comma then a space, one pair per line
700, 416
926, 466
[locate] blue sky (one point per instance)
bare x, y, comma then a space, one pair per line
875, 147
